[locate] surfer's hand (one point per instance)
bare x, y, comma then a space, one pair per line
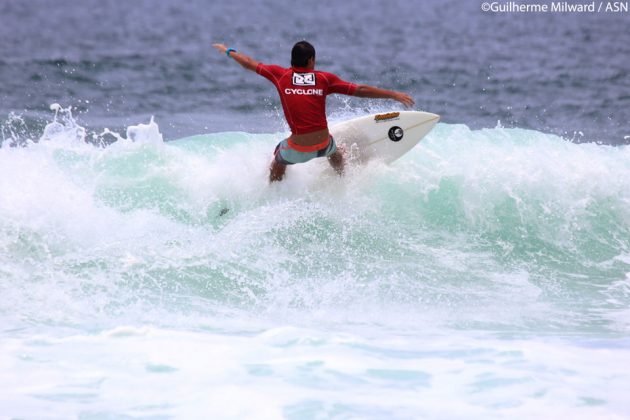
404, 99
222, 48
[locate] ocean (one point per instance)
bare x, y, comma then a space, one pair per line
149, 270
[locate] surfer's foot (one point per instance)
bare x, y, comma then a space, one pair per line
336, 161
276, 171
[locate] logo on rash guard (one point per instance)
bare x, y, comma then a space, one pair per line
289, 91
304, 79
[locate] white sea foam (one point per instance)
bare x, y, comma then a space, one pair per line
298, 372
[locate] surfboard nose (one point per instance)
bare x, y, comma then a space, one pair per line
423, 115
432, 115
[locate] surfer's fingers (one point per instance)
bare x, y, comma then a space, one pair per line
407, 100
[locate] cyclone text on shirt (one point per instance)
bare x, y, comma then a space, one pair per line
319, 92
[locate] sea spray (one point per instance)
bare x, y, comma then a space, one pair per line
501, 254
64, 127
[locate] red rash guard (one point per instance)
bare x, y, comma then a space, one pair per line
303, 94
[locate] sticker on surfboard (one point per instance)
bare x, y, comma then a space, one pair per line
386, 117
395, 133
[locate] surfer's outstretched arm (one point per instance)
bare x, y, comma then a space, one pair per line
245, 61
365, 91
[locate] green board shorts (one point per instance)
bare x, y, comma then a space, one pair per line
287, 155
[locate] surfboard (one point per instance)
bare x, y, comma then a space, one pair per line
386, 136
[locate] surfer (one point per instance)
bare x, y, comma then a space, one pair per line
303, 91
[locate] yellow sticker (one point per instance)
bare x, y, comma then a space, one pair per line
388, 116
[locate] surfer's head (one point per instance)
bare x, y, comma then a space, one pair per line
301, 54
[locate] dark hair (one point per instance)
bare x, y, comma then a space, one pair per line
301, 53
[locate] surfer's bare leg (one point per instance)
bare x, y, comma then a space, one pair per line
276, 171
336, 161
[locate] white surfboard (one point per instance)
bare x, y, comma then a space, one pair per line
383, 136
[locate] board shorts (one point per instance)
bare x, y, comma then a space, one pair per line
289, 153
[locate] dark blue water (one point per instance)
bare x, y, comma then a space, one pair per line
120, 62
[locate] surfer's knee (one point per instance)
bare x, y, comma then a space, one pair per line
276, 171
336, 158
336, 161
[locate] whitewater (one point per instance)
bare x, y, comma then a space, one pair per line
486, 274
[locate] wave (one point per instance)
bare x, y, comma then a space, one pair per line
501, 227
